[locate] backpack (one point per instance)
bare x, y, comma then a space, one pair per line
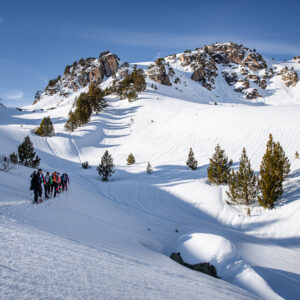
54, 178
47, 178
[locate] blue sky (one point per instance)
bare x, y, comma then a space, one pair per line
39, 38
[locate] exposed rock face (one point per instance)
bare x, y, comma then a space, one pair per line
109, 63
83, 73
289, 76
206, 267
158, 74
204, 63
95, 75
199, 74
185, 59
205, 71
254, 62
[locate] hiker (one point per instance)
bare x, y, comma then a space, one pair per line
42, 182
64, 181
36, 185
58, 183
54, 183
47, 185
67, 181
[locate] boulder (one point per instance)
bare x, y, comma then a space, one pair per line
159, 75
205, 267
199, 74
252, 94
109, 63
289, 76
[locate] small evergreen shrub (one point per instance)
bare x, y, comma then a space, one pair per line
106, 167
149, 169
130, 159
219, 168
46, 128
85, 165
191, 161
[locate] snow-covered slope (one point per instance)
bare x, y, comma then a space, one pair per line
113, 239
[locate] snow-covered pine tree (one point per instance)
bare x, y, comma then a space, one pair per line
46, 127
219, 168
27, 155
243, 183
130, 159
297, 154
191, 161
274, 169
149, 168
106, 167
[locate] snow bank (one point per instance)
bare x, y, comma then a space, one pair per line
201, 247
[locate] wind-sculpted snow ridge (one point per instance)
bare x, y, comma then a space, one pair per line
114, 239
221, 253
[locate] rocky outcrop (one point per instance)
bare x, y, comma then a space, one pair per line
83, 73
252, 94
95, 75
109, 63
230, 78
243, 84
289, 76
254, 62
159, 74
186, 59
206, 267
205, 71
204, 63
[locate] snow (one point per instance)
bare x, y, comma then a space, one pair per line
220, 252
113, 240
199, 247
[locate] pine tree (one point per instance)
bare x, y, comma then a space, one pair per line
243, 183
297, 154
149, 168
106, 167
46, 128
71, 124
191, 162
274, 168
27, 155
219, 168
130, 159
13, 158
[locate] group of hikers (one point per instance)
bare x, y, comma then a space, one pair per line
53, 184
